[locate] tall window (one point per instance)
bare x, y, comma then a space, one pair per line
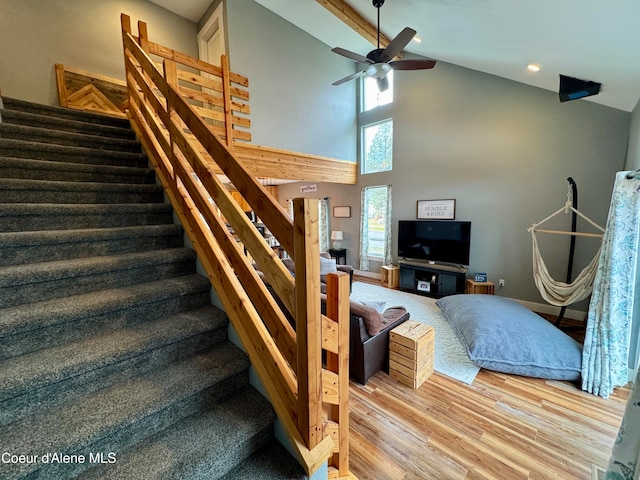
377, 147
375, 225
372, 97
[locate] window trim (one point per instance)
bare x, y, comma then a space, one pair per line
363, 153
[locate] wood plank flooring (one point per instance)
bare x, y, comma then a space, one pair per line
500, 427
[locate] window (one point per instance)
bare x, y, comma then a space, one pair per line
375, 225
372, 97
377, 147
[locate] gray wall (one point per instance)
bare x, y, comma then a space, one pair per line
36, 34
293, 105
503, 150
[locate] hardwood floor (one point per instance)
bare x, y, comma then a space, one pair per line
500, 427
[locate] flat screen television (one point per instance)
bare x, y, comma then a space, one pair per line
445, 241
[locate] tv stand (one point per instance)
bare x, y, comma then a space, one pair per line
432, 280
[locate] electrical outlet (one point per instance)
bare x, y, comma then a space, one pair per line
501, 282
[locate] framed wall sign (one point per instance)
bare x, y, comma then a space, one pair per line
436, 209
341, 212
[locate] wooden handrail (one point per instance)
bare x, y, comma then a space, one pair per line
187, 156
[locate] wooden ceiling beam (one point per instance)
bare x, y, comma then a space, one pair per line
350, 16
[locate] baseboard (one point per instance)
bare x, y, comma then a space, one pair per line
363, 273
552, 310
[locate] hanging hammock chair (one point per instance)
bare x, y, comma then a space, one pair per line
558, 293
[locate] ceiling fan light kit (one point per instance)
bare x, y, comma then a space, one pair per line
380, 60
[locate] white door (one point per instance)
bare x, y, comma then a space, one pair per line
211, 38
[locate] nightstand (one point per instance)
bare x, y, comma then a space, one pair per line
339, 253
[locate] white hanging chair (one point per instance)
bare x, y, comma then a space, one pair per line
558, 293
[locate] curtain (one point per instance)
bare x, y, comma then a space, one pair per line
606, 347
623, 463
290, 207
323, 225
387, 229
364, 231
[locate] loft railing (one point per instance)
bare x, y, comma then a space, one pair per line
311, 400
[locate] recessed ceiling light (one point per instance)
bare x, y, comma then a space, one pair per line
417, 39
532, 67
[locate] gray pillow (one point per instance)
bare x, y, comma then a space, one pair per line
502, 335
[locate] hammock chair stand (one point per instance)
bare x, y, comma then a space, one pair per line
559, 293
572, 249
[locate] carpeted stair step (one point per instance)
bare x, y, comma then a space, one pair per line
16, 117
20, 284
62, 113
271, 462
18, 217
104, 421
30, 327
64, 153
47, 246
72, 172
44, 191
203, 446
58, 137
45, 378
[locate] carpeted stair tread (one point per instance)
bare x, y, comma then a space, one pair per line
16, 117
203, 446
16, 217
151, 402
271, 462
45, 191
38, 315
72, 139
63, 113
65, 153
31, 327
25, 168
52, 245
20, 375
21, 284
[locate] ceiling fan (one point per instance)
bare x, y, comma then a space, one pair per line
380, 61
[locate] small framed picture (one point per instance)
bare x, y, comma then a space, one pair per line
341, 212
436, 209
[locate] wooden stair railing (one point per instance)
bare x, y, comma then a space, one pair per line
311, 401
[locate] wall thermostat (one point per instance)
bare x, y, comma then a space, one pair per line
480, 277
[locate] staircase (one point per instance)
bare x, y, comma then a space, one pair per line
110, 351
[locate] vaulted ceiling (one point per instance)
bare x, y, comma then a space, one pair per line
593, 40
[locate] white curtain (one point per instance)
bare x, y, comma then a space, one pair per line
364, 230
605, 355
387, 230
624, 462
323, 224
290, 207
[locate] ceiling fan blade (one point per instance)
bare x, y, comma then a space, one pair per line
347, 78
383, 84
397, 44
413, 64
351, 55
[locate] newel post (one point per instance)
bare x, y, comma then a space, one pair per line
308, 319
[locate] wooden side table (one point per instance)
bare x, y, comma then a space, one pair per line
411, 349
487, 288
389, 276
